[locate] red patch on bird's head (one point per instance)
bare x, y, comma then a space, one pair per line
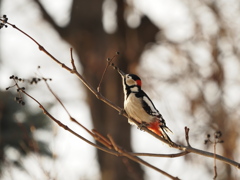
139, 82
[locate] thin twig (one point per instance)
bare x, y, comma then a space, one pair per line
109, 61
187, 135
161, 155
41, 48
215, 166
72, 60
217, 135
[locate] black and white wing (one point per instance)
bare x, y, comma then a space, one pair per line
149, 107
147, 104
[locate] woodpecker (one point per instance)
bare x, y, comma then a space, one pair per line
139, 106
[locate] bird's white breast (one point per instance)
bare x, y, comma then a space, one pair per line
133, 107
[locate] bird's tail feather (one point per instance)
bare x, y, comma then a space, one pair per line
160, 129
166, 130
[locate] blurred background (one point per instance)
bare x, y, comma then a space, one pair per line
186, 52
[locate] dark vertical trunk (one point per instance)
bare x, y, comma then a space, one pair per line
93, 46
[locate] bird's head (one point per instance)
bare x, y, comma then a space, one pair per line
130, 80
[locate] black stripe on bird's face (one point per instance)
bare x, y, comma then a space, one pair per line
132, 83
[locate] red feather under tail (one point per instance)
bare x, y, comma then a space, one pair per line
156, 128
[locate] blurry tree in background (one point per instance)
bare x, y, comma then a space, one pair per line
17, 127
202, 69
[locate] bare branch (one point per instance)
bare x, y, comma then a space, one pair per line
161, 155
136, 159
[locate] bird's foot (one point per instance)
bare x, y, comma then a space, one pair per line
142, 125
122, 111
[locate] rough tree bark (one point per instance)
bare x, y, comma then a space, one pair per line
93, 45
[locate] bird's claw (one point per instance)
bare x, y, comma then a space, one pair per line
122, 111
143, 124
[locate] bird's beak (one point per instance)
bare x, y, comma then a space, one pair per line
121, 72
